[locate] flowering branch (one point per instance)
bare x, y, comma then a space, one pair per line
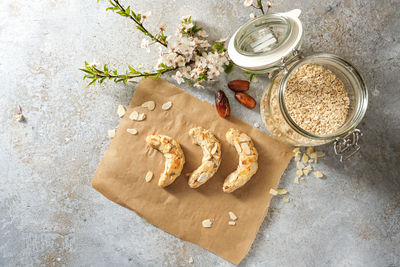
191, 55
138, 19
259, 6
94, 74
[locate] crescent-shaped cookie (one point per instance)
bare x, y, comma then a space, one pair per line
211, 156
248, 157
174, 157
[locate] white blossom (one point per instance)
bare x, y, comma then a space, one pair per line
178, 77
248, 2
163, 27
146, 15
252, 15
145, 44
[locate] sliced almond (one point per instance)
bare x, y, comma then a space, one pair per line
111, 133
318, 174
286, 200
306, 172
121, 111
206, 223
273, 192
296, 180
191, 260
296, 150
232, 216
214, 149
167, 105
282, 191
231, 223
150, 105
320, 154
246, 148
149, 176
132, 131
299, 173
134, 115
237, 146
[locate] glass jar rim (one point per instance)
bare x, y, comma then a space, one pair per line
268, 18
358, 115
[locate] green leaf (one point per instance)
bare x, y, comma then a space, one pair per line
251, 77
228, 68
128, 11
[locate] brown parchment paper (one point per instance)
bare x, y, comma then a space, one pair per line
178, 209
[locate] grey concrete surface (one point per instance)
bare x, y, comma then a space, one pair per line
50, 215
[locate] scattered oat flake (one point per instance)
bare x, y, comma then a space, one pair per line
232, 216
191, 260
149, 176
207, 223
132, 131
286, 200
296, 180
111, 133
296, 150
305, 158
300, 165
167, 105
320, 154
306, 172
318, 174
297, 157
310, 150
150, 105
282, 191
299, 173
121, 111
273, 192
232, 223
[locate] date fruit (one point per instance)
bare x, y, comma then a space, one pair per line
239, 85
222, 104
245, 100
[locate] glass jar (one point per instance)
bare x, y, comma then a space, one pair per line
271, 43
275, 114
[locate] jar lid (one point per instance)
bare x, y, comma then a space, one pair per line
260, 44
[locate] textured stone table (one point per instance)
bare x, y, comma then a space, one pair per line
50, 215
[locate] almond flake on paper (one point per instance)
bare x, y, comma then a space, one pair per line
297, 157
121, 111
132, 131
296, 180
134, 115
286, 200
191, 260
232, 216
318, 174
148, 177
282, 191
206, 223
273, 192
150, 105
111, 133
167, 105
232, 223
300, 165
299, 173
141, 117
